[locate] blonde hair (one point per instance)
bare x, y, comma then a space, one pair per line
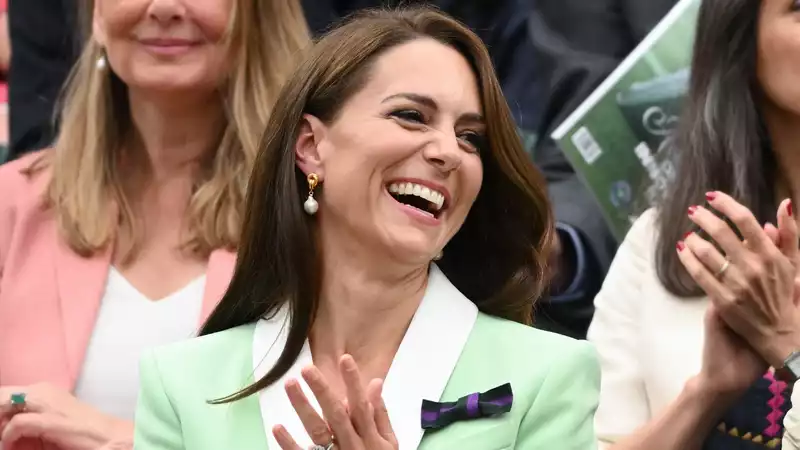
85, 189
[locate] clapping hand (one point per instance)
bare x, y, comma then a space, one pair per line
359, 423
730, 365
752, 286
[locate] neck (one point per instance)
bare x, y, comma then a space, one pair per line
364, 309
173, 135
784, 131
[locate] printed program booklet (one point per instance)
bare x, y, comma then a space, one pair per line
615, 139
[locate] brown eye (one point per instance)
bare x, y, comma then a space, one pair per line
474, 140
409, 115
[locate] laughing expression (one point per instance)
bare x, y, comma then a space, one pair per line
401, 164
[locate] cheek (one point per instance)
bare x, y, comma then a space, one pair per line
373, 146
212, 17
472, 178
120, 17
345, 195
779, 66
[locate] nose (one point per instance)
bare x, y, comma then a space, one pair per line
166, 11
445, 154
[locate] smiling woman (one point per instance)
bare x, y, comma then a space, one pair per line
121, 237
395, 127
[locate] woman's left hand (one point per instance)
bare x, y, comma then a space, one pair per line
754, 287
360, 423
58, 418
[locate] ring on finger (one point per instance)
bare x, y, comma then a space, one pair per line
723, 269
18, 402
330, 445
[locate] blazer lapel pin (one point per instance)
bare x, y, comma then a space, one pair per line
436, 415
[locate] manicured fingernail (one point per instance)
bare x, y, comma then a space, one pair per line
692, 209
710, 196
680, 246
688, 233
789, 208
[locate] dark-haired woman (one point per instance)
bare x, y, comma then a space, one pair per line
696, 324
391, 147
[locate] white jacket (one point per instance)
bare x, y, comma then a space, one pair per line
649, 341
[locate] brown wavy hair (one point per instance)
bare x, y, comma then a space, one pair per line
85, 187
497, 258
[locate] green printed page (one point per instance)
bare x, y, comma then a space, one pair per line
615, 140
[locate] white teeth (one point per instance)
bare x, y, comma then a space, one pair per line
418, 190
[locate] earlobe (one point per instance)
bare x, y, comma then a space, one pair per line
98, 31
307, 152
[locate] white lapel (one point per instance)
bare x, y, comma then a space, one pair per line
427, 356
269, 339
420, 370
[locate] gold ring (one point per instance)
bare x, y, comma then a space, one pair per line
722, 269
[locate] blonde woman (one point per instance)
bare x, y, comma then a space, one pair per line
121, 238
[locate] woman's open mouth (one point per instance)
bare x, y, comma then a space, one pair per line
423, 198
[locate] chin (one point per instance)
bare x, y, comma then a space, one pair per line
167, 84
412, 251
173, 79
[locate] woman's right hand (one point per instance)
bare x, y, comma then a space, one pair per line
730, 366
361, 422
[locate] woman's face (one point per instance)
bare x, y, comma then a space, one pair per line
779, 53
401, 166
165, 45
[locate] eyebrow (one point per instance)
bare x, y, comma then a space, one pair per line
431, 103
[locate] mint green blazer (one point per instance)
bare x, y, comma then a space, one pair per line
555, 382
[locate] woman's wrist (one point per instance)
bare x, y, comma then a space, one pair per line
685, 422
709, 397
111, 431
778, 349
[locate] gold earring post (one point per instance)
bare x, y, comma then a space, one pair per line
313, 181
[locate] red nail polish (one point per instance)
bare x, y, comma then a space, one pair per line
688, 233
789, 208
692, 209
710, 196
680, 246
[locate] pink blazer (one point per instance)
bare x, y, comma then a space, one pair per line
49, 295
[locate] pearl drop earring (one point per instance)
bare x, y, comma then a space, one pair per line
311, 206
100, 64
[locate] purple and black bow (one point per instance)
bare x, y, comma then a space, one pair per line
493, 402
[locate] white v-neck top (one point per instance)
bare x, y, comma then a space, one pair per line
128, 323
